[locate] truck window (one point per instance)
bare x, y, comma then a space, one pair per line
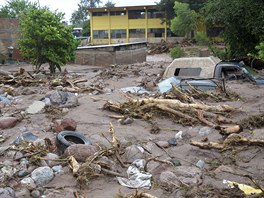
187, 71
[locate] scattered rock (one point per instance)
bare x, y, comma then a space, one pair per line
8, 122
7, 192
105, 162
24, 163
50, 159
36, 107
23, 193
175, 162
18, 155
101, 141
189, 175
28, 183
187, 171
58, 170
126, 121
168, 179
80, 151
62, 99
42, 175
35, 194
223, 168
133, 153
172, 141
66, 124
26, 136
200, 164
23, 173
163, 144
4, 100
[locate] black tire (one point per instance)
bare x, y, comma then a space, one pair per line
66, 138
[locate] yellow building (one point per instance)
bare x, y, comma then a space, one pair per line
127, 24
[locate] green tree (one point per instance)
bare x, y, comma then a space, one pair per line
45, 39
185, 21
109, 4
86, 28
243, 23
167, 7
14, 8
81, 15
195, 5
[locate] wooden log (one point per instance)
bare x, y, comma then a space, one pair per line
177, 113
207, 145
179, 104
227, 130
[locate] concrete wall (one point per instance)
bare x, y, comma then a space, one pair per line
125, 53
8, 34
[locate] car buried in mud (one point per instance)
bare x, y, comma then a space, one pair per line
204, 73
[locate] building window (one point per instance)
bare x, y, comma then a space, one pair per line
118, 13
136, 14
100, 34
136, 33
156, 32
118, 34
100, 13
155, 14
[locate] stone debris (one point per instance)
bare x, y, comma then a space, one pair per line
8, 122
36, 107
179, 160
66, 124
42, 175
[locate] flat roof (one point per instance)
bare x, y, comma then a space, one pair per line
122, 8
111, 45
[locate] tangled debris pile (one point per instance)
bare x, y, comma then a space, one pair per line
198, 139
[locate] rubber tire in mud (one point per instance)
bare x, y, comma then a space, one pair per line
63, 139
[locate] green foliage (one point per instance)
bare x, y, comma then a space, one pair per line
14, 8
45, 39
86, 28
185, 20
79, 16
176, 52
243, 22
194, 4
260, 49
201, 38
167, 7
221, 53
109, 4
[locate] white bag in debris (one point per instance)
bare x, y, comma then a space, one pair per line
137, 178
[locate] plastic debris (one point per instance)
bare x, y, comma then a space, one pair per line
178, 136
248, 190
137, 177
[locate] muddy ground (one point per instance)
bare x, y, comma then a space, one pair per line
230, 164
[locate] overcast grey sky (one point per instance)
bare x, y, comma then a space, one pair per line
68, 6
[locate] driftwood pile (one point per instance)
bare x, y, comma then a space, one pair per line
61, 81
162, 47
181, 107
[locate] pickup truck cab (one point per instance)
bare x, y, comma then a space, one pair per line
203, 73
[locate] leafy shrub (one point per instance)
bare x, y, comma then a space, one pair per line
201, 38
222, 53
176, 52
260, 49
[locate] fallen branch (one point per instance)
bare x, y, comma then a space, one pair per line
231, 140
178, 104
